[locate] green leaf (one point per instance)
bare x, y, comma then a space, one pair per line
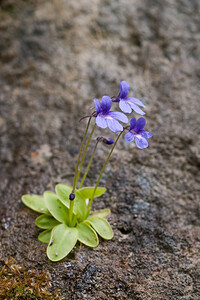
63, 191
36, 203
87, 235
80, 206
63, 239
86, 192
46, 222
101, 213
58, 210
74, 220
45, 236
101, 226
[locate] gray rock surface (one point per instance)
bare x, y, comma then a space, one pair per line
55, 57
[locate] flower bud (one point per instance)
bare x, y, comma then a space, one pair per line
104, 140
108, 141
72, 196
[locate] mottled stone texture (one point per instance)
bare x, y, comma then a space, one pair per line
55, 57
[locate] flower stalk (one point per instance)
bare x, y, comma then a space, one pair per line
101, 173
84, 153
89, 164
76, 171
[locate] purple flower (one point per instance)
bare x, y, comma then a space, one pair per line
127, 104
136, 131
105, 117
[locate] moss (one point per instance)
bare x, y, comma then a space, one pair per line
20, 283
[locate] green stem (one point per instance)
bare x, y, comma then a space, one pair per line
76, 170
71, 211
90, 203
88, 166
84, 153
80, 152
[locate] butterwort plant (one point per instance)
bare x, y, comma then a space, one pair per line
65, 215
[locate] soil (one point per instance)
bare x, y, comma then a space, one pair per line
55, 57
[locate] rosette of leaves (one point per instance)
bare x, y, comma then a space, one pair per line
54, 219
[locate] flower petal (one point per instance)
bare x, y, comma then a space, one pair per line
106, 103
141, 142
132, 123
97, 105
101, 122
140, 124
114, 125
129, 136
119, 116
135, 101
124, 89
146, 134
137, 109
125, 107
